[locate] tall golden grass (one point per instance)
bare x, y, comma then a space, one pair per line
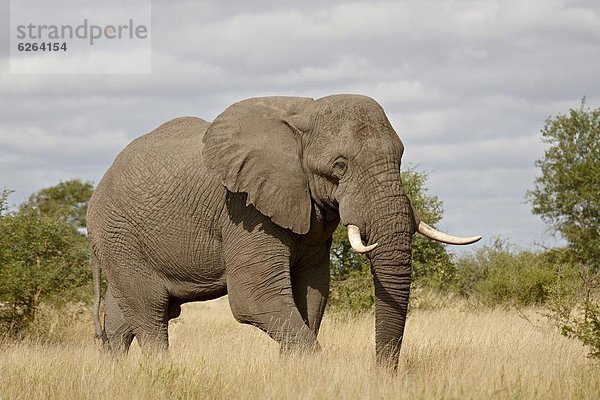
449, 353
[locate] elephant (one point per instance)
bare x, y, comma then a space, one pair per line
246, 206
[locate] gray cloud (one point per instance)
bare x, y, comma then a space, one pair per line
467, 85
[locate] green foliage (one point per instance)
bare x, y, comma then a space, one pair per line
566, 195
344, 260
432, 265
42, 258
496, 275
354, 292
67, 200
4, 193
574, 304
351, 281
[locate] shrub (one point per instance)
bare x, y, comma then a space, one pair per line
432, 265
574, 304
67, 200
352, 292
42, 258
494, 274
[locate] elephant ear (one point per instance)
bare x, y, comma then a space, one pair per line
255, 148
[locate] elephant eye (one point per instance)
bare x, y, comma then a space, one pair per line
339, 167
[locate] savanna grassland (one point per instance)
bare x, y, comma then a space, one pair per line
484, 325
450, 352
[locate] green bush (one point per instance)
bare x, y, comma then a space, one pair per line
574, 304
353, 292
68, 200
432, 266
431, 263
494, 274
42, 259
351, 289
566, 198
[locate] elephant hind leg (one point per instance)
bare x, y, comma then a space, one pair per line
147, 312
118, 334
140, 314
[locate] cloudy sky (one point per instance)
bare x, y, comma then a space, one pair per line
466, 84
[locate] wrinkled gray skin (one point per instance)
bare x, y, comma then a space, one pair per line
247, 206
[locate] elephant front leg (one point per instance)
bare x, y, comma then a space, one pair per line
310, 283
260, 294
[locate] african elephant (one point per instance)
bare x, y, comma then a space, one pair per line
246, 206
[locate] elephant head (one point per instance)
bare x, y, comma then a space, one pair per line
342, 154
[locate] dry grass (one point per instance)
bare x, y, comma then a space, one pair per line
449, 353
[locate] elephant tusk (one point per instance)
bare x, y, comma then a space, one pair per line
431, 233
356, 241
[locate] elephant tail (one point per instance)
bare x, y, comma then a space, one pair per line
96, 271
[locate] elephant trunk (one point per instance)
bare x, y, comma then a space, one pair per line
390, 234
391, 268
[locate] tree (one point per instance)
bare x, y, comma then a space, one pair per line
67, 200
567, 194
352, 286
42, 258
